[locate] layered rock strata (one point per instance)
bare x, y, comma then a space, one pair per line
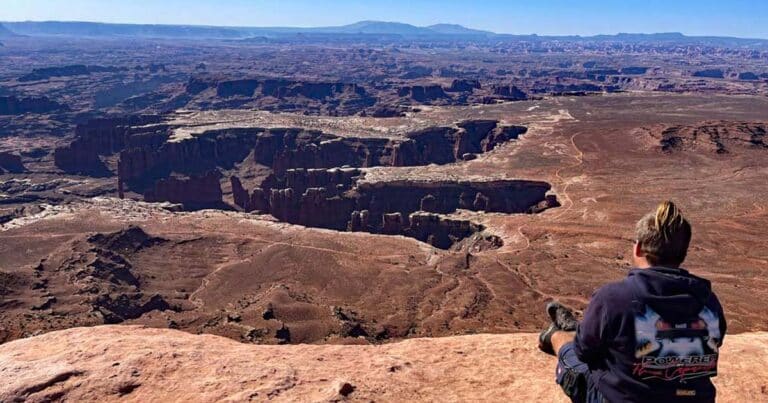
332, 199
306, 185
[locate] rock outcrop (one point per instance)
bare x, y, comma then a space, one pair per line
748, 76
423, 93
286, 88
709, 73
305, 186
198, 84
68, 71
146, 156
509, 92
333, 199
133, 363
633, 70
384, 112
464, 85
104, 137
192, 192
719, 137
283, 94
443, 145
150, 158
415, 72
12, 105
100, 274
10, 163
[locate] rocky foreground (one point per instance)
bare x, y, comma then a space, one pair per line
135, 363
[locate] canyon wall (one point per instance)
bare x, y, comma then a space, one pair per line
464, 85
12, 105
141, 165
104, 137
10, 163
332, 199
281, 94
46, 73
287, 88
423, 93
509, 92
202, 191
305, 183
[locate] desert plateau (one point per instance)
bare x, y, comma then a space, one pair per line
366, 213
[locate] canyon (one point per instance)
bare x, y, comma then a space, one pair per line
308, 177
270, 229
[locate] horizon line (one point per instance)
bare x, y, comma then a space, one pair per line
387, 22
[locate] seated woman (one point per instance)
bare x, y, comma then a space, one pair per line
652, 337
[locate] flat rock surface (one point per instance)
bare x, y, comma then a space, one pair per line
134, 363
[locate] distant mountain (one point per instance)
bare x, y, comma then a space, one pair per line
378, 27
399, 28
359, 31
454, 29
96, 29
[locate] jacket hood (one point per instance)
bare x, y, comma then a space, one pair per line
672, 292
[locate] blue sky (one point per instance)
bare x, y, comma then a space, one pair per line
744, 18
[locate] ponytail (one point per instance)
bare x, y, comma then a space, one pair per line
668, 219
664, 235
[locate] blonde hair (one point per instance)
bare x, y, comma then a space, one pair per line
664, 235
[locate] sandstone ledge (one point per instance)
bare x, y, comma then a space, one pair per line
135, 363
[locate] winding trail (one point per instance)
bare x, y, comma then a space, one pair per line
204, 284
579, 156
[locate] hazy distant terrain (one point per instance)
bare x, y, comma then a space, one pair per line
360, 29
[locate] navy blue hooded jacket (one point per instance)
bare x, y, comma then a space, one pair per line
653, 337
